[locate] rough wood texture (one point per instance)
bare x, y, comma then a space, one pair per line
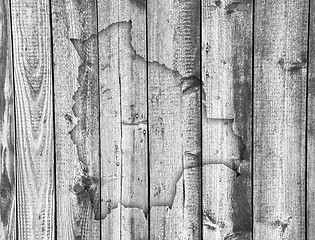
154, 141
110, 120
34, 119
7, 134
77, 117
226, 75
311, 128
174, 119
279, 119
123, 86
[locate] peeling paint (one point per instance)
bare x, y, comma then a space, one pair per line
84, 120
89, 187
109, 205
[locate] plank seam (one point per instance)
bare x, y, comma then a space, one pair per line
54, 119
99, 118
306, 113
121, 132
252, 117
201, 133
148, 123
15, 131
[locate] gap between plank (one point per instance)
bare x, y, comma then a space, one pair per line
201, 134
14, 103
148, 123
252, 117
53, 112
99, 117
306, 113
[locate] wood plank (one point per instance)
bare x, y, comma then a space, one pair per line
227, 79
123, 85
34, 119
133, 80
174, 119
7, 128
281, 30
310, 128
110, 120
76, 86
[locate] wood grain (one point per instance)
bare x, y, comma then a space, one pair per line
34, 119
281, 29
110, 120
77, 117
123, 85
174, 119
310, 225
226, 143
7, 129
154, 140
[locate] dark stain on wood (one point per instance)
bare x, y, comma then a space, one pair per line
190, 84
3, 56
242, 209
7, 133
311, 92
5, 197
293, 66
140, 3
242, 235
242, 101
237, 6
218, 3
85, 94
132, 227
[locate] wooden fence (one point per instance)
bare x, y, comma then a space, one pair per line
157, 119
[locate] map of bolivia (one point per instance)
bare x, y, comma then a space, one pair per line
163, 192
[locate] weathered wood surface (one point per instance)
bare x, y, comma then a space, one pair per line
281, 29
226, 143
150, 104
7, 129
75, 55
34, 119
123, 94
310, 224
174, 119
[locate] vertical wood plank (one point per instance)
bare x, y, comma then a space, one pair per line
77, 117
281, 29
34, 119
110, 120
174, 119
133, 80
123, 87
310, 127
227, 80
7, 132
